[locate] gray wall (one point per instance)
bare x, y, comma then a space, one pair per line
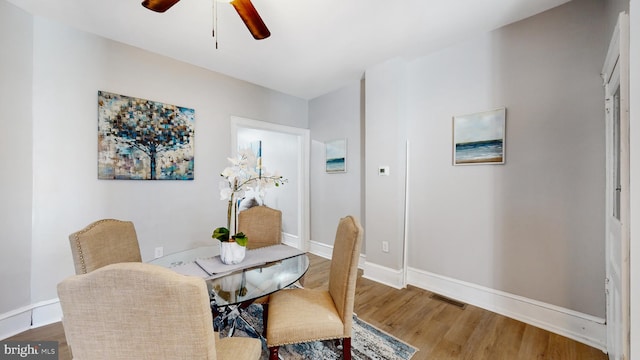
336, 115
385, 138
15, 153
69, 67
541, 231
612, 10
532, 227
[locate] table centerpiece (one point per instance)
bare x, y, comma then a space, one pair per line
246, 177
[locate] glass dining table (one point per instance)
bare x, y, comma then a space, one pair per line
240, 286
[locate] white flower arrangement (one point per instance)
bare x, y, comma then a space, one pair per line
245, 177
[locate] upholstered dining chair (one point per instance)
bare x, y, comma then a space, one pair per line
263, 227
104, 242
144, 311
303, 315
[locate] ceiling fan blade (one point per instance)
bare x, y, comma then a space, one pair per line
251, 18
159, 5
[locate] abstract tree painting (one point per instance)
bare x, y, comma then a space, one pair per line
144, 140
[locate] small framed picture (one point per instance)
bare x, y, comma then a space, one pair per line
336, 156
479, 138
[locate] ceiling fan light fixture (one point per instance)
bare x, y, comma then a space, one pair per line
159, 5
251, 18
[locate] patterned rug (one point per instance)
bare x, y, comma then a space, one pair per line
368, 342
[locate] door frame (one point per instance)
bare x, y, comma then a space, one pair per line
301, 240
615, 74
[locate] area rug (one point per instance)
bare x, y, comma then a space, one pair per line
367, 342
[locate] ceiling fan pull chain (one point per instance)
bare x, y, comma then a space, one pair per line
214, 20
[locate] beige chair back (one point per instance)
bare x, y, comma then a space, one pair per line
102, 243
262, 225
137, 311
344, 268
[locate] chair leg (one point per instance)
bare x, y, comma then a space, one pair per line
346, 348
265, 312
273, 353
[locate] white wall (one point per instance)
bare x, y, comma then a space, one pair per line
336, 115
69, 67
15, 155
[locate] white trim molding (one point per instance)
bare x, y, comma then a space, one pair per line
292, 240
581, 327
304, 146
46, 312
578, 326
15, 322
384, 275
326, 251
30, 316
320, 249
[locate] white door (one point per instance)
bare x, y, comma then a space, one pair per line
616, 82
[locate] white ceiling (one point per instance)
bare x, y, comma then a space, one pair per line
316, 46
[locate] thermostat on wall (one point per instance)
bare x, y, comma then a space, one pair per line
383, 171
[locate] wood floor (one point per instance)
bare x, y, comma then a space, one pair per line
438, 329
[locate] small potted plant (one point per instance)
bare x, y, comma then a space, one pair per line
232, 249
244, 174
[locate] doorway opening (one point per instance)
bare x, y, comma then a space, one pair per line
285, 150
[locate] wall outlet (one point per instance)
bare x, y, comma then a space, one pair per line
159, 252
385, 246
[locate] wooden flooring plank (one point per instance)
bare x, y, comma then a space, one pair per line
534, 344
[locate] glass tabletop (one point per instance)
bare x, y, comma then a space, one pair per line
244, 285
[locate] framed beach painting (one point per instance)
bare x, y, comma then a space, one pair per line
336, 156
479, 138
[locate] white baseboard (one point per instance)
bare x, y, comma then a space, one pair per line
29, 317
581, 327
383, 275
320, 249
291, 240
326, 251
578, 326
47, 312
15, 322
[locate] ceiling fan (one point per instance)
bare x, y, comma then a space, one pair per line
245, 9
